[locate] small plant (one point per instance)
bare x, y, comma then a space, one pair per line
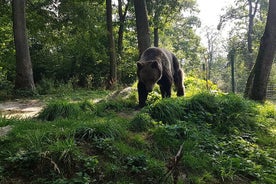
64, 155
85, 134
136, 164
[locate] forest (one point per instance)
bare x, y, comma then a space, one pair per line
77, 59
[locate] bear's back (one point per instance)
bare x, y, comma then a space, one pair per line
154, 53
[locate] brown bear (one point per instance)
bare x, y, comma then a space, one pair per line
157, 65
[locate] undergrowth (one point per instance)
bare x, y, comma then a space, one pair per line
202, 138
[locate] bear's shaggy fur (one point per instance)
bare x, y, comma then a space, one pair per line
160, 66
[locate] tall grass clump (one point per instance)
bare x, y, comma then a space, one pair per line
113, 130
223, 112
59, 109
168, 111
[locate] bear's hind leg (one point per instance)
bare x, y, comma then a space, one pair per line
178, 81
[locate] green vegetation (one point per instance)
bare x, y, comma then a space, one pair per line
214, 138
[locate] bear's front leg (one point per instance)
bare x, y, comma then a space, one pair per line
142, 93
165, 90
165, 85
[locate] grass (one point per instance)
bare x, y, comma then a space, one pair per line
224, 139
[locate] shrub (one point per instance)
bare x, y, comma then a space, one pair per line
51, 86
195, 85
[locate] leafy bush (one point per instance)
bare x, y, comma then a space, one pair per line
195, 85
51, 86
6, 86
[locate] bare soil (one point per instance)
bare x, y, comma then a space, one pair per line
20, 108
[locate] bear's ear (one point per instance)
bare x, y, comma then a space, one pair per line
139, 65
154, 64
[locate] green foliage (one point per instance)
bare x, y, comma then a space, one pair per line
225, 139
5, 85
195, 85
228, 124
63, 153
50, 86
141, 122
223, 112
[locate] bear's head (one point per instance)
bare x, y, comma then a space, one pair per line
149, 73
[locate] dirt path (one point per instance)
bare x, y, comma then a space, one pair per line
21, 108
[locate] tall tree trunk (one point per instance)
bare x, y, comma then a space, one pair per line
122, 18
143, 34
250, 26
112, 55
251, 15
232, 60
156, 37
265, 57
24, 72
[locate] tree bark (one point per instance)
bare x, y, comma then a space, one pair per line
232, 60
122, 18
142, 25
112, 54
156, 37
24, 72
251, 15
265, 57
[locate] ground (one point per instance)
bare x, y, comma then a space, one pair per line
21, 108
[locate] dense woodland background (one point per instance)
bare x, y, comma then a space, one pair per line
70, 42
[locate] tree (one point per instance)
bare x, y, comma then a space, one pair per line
231, 56
112, 55
266, 55
251, 15
142, 25
166, 11
211, 38
122, 18
24, 72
